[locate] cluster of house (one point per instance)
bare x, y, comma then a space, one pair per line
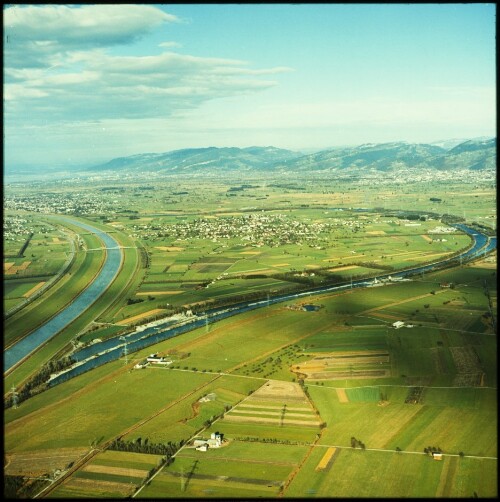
215, 441
442, 230
256, 229
64, 203
416, 175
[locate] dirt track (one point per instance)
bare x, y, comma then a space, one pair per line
388, 305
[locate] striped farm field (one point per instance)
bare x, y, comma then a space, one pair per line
249, 470
253, 418
17, 289
169, 248
347, 364
166, 485
147, 293
139, 317
91, 488
239, 468
109, 474
113, 470
13, 269
255, 452
34, 289
38, 462
279, 404
242, 430
340, 269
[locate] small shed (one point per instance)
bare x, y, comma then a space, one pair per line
398, 324
437, 456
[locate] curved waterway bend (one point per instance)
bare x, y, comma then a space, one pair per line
83, 301
108, 350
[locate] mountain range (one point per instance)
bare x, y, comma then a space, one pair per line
477, 154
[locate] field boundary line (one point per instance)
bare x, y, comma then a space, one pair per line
382, 307
396, 385
385, 450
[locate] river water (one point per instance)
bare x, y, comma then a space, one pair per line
38, 337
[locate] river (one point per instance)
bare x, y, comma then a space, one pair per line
20, 350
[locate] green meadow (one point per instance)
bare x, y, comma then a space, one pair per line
347, 370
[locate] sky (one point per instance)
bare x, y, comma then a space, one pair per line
87, 83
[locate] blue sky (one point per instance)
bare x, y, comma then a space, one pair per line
84, 84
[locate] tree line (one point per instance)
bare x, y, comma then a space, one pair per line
38, 382
139, 446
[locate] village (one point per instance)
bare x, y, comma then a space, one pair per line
271, 230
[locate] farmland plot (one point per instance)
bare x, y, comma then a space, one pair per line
351, 364
39, 462
109, 474
243, 468
275, 403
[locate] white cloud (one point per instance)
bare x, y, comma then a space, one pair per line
87, 25
57, 59
169, 45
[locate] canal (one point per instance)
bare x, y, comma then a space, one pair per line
20, 350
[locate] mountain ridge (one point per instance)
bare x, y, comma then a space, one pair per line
476, 154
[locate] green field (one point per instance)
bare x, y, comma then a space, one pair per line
254, 468
191, 251
109, 474
360, 474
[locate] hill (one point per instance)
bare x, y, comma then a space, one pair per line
386, 157
203, 159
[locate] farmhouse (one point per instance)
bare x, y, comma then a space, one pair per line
156, 359
215, 441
